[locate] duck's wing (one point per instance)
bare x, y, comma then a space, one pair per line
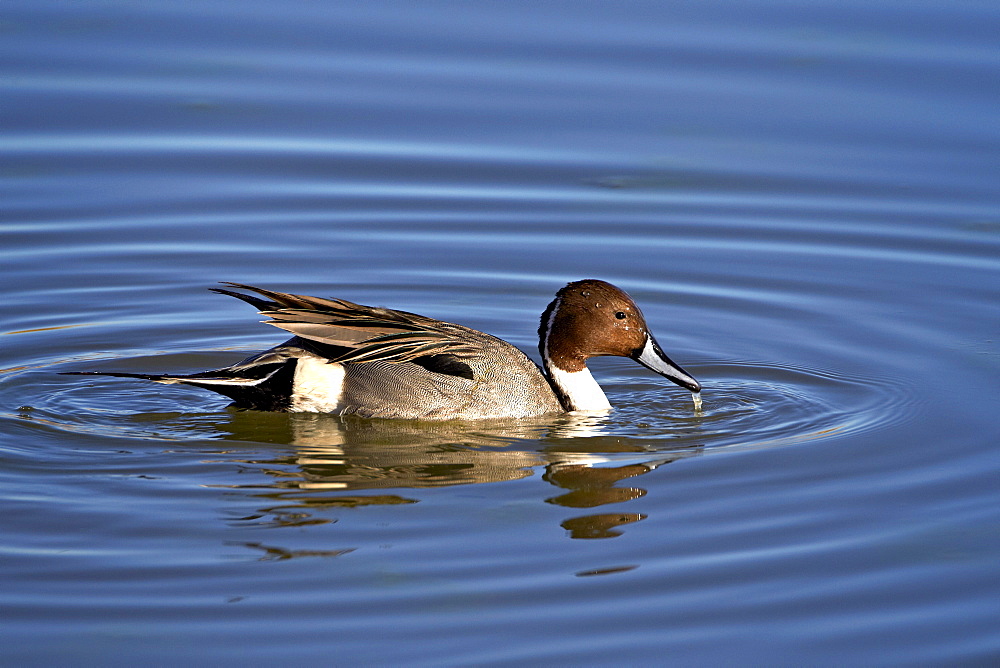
353, 333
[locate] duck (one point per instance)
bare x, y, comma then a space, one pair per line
350, 359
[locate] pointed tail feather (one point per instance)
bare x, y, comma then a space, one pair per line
268, 389
158, 377
256, 302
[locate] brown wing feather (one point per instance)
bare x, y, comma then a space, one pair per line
369, 333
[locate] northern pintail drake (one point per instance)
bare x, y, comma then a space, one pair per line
349, 359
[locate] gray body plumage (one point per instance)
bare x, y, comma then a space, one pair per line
504, 383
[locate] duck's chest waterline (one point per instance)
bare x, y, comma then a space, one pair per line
581, 390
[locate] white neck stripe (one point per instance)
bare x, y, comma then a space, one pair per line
578, 387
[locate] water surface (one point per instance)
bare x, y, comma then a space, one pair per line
801, 197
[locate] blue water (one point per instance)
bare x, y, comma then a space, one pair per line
802, 197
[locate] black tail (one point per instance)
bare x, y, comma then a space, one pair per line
158, 377
261, 382
265, 387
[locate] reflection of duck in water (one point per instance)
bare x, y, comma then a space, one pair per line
347, 359
351, 453
340, 462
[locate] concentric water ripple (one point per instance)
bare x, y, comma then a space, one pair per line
757, 405
746, 405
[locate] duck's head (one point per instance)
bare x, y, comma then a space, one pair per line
593, 318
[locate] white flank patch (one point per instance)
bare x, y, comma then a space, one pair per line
318, 386
583, 391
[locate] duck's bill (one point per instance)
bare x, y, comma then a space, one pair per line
654, 359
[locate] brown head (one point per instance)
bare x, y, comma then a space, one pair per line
592, 318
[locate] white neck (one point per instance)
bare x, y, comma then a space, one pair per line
580, 388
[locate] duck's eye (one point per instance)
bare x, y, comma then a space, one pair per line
620, 315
